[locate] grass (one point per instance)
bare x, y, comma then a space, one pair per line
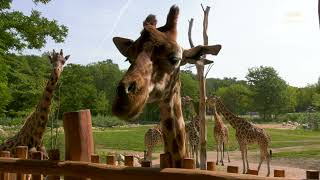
311, 153
131, 139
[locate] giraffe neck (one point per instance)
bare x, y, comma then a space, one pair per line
172, 125
227, 114
32, 131
217, 118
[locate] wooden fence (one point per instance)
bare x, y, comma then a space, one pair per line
81, 163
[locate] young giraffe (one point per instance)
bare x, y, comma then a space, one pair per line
246, 133
32, 131
152, 138
221, 136
192, 129
153, 76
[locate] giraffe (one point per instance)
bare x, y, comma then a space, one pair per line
153, 76
32, 131
192, 129
221, 135
246, 133
152, 138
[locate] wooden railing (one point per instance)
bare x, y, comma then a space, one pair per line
104, 171
81, 163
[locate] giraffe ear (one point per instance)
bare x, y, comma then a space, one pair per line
67, 57
122, 44
192, 55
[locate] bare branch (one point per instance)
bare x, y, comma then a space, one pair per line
208, 70
202, 7
205, 25
189, 32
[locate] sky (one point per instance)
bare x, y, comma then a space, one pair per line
283, 34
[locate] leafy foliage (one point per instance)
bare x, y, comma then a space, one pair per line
237, 98
268, 89
19, 31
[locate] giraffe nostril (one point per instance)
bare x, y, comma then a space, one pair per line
131, 88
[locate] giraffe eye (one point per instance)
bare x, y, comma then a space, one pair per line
174, 60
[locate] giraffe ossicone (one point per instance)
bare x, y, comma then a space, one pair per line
153, 76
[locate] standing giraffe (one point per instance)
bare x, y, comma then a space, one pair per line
192, 129
32, 131
152, 138
246, 133
221, 135
153, 76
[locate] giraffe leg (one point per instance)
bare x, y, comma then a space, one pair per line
197, 156
42, 148
246, 155
217, 162
243, 160
227, 149
222, 154
268, 163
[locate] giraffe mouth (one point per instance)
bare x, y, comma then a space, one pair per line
126, 109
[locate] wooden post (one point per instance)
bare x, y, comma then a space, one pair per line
22, 153
38, 156
279, 173
54, 155
145, 163
252, 172
188, 163
95, 158
111, 160
4, 175
78, 136
128, 160
232, 169
211, 166
312, 174
164, 163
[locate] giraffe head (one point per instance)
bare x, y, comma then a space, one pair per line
155, 59
57, 60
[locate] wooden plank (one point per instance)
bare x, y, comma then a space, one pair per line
188, 163
111, 160
102, 171
4, 176
37, 156
54, 155
22, 153
312, 174
279, 173
211, 166
78, 137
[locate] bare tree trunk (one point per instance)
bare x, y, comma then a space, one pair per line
319, 10
202, 104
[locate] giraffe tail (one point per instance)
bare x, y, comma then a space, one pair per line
270, 153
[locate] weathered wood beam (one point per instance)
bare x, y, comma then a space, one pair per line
103, 171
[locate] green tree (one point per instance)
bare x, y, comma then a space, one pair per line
5, 95
189, 85
236, 97
19, 31
316, 100
304, 97
77, 89
268, 89
26, 76
291, 99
